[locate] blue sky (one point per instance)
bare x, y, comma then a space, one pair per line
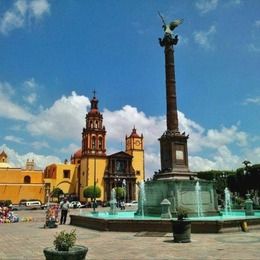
54, 53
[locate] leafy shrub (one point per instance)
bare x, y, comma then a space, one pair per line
65, 240
238, 203
182, 213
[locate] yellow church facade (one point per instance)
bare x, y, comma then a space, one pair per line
94, 167
62, 176
18, 184
89, 166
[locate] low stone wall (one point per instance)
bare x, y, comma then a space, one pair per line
128, 225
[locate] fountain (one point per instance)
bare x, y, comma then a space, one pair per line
113, 202
228, 203
199, 199
174, 183
141, 199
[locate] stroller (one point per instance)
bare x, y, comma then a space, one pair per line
52, 217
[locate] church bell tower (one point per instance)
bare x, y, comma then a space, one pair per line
134, 144
94, 134
93, 157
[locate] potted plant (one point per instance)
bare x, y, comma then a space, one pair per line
181, 227
65, 248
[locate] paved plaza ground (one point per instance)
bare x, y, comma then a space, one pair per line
26, 240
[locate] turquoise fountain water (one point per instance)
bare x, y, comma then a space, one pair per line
137, 220
199, 199
113, 210
228, 203
142, 197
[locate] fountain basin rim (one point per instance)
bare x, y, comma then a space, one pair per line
162, 225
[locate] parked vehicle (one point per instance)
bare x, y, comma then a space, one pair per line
48, 205
132, 203
30, 204
75, 204
33, 204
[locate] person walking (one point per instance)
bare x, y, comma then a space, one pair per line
64, 206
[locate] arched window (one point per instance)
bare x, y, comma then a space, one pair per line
93, 142
27, 179
100, 142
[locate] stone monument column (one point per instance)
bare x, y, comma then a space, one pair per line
173, 144
171, 100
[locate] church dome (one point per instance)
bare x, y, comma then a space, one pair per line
78, 154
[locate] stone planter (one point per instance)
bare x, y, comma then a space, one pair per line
75, 253
181, 231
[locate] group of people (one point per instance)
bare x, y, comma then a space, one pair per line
7, 216
52, 214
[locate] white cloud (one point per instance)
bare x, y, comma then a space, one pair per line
128, 116
233, 3
254, 45
223, 159
205, 6
14, 139
6, 89
11, 21
39, 145
193, 129
216, 138
21, 13
20, 6
70, 149
65, 119
8, 108
31, 98
204, 38
236, 2
257, 23
183, 40
198, 163
30, 87
152, 163
253, 48
255, 100
39, 7
253, 155
19, 160
30, 84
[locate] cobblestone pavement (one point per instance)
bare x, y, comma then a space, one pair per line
26, 240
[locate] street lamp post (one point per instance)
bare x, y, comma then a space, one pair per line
116, 180
246, 163
94, 203
124, 186
224, 177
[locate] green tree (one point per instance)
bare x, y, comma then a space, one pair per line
120, 193
56, 193
88, 192
222, 179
